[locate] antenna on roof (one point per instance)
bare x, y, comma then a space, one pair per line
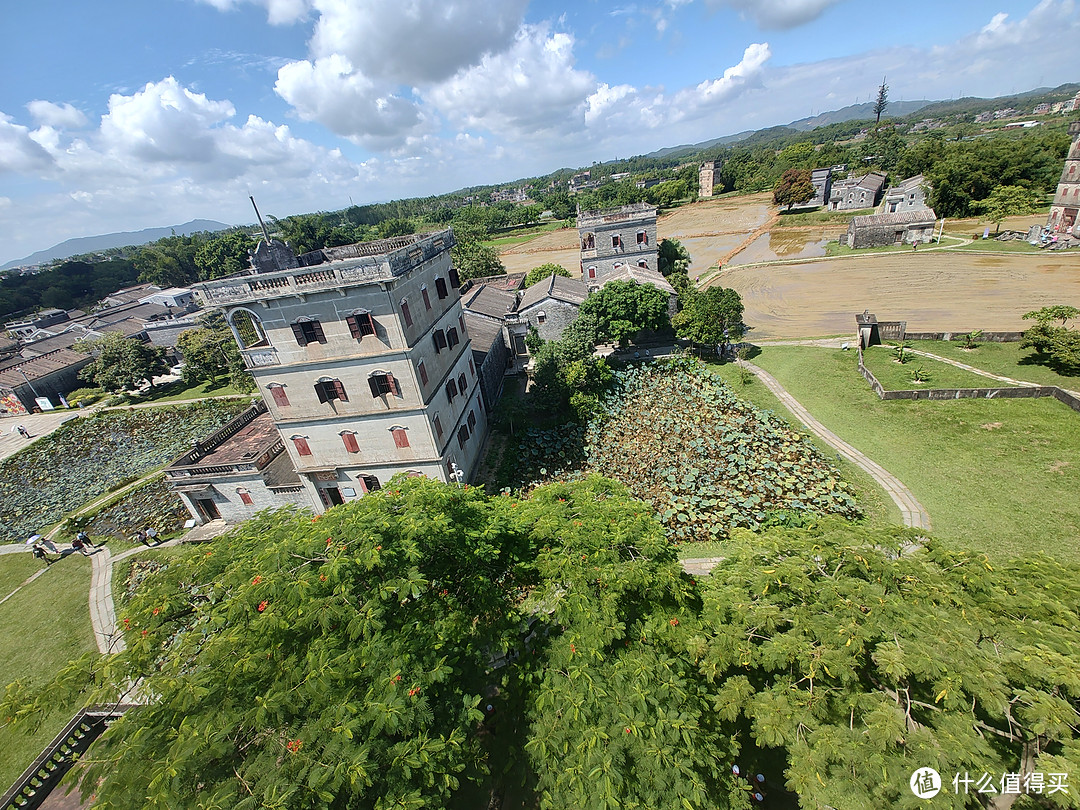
266, 234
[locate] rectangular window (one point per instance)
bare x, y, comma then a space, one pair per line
427, 301
455, 279
281, 399
592, 272
472, 419
405, 312
616, 242
462, 436
463, 384
307, 332
461, 323
301, 445
383, 384
360, 325
401, 438
246, 498
440, 287
451, 337
440, 340
643, 237
451, 390
423, 373
438, 427
472, 368
349, 438
327, 390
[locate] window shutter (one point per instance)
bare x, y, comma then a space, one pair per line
363, 484
395, 389
339, 389
462, 436
472, 419
455, 279
405, 312
427, 301
401, 439
435, 340
350, 442
316, 329
463, 384
472, 368
438, 427
320, 392
354, 326
423, 373
298, 333
451, 391
281, 399
302, 448
246, 498
451, 337
461, 323
366, 324
374, 383
440, 287
480, 404
440, 339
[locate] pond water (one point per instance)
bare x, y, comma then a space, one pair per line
706, 251
776, 245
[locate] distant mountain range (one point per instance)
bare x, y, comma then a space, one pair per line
93, 244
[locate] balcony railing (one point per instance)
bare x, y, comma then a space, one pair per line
261, 357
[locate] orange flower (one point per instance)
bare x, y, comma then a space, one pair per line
414, 691
262, 605
329, 541
673, 622
209, 553
257, 580
378, 548
294, 746
627, 729
157, 611
322, 577
144, 632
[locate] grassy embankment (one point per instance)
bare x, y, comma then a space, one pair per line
999, 476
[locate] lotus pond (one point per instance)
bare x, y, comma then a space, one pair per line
87, 457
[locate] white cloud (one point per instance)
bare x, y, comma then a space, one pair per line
62, 116
19, 152
778, 13
995, 23
278, 12
531, 88
347, 102
414, 42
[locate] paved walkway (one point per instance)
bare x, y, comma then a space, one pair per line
913, 512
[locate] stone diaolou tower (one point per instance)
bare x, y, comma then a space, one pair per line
362, 356
1063, 212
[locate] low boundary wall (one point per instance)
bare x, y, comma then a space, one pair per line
1005, 392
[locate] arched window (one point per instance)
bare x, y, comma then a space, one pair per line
541, 317
247, 328
245, 496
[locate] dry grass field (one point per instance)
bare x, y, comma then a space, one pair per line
930, 289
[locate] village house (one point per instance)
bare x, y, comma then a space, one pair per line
548, 306
907, 195
40, 382
822, 180
857, 193
363, 357
613, 237
903, 227
1066, 205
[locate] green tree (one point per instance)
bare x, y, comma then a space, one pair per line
672, 257
527, 214
224, 255
120, 363
624, 308
793, 188
398, 226
710, 316
881, 102
544, 272
1055, 346
475, 260
169, 262
210, 353
1009, 201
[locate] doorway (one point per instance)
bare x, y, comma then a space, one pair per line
331, 496
208, 509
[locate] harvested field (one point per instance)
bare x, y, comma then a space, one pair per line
932, 291
558, 247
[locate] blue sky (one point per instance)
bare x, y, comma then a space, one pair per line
125, 114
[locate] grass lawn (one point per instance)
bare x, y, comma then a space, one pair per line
895, 376
875, 504
836, 249
520, 237
1000, 476
42, 627
1015, 246
179, 391
1006, 359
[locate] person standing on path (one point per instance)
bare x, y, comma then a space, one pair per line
84, 538
39, 553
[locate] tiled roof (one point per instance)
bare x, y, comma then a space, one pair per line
488, 300
926, 215
642, 275
568, 290
483, 332
35, 368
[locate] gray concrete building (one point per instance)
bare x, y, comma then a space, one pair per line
907, 195
1065, 210
708, 177
364, 361
548, 306
613, 237
856, 193
822, 180
901, 228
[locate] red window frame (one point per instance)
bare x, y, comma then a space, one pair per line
281, 399
405, 312
361, 324
349, 439
423, 373
302, 447
401, 437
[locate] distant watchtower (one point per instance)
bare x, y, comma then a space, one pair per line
708, 174
1066, 206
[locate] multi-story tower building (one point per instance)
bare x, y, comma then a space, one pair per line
708, 176
362, 356
1063, 213
612, 238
